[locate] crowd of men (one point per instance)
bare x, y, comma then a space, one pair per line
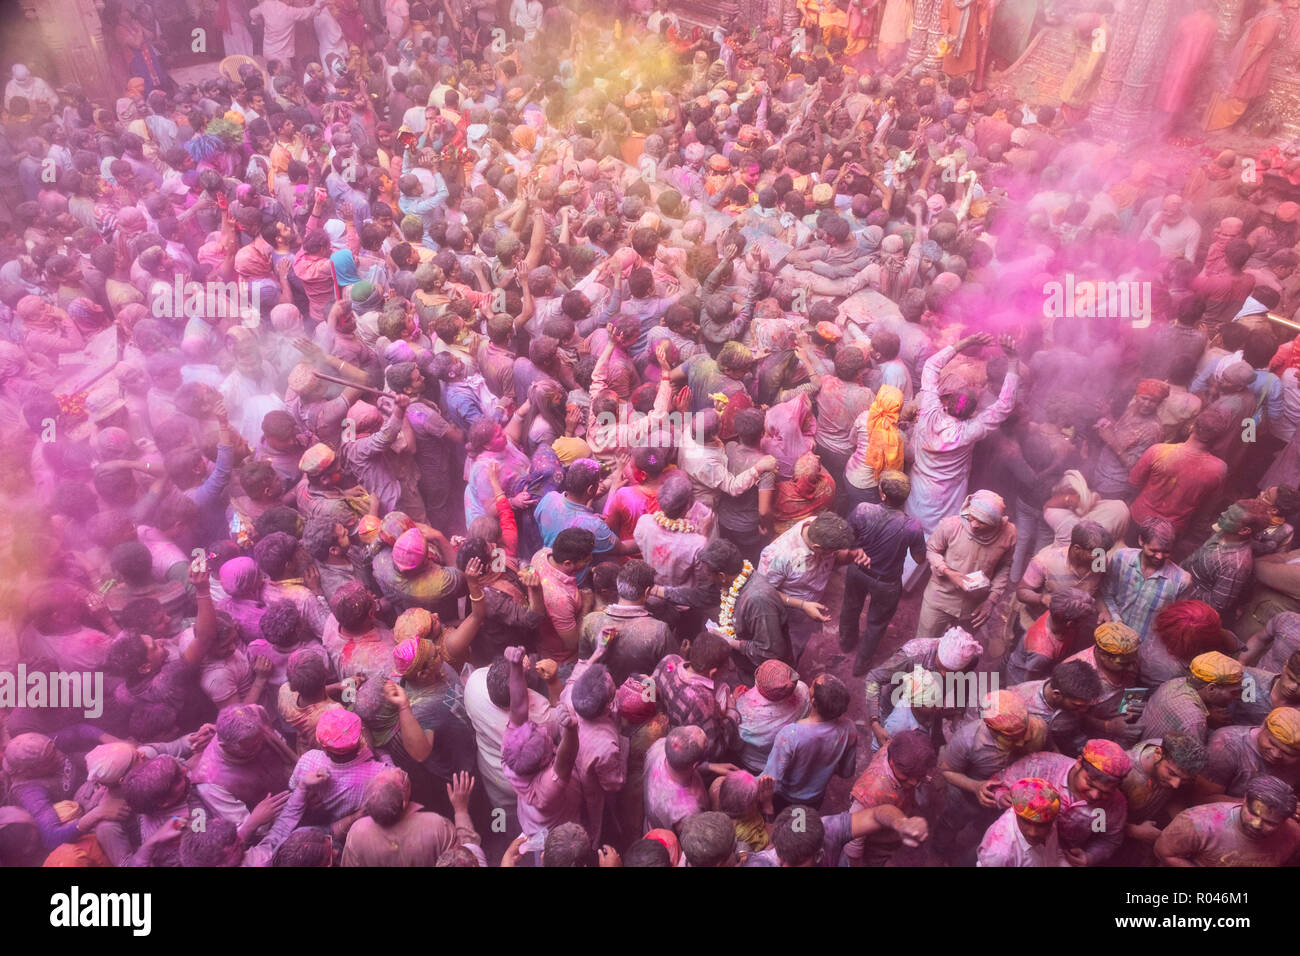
461, 446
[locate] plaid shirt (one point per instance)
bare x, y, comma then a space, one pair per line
336, 798
690, 699
1135, 598
1176, 707
1220, 572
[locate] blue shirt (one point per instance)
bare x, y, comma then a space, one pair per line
555, 512
806, 756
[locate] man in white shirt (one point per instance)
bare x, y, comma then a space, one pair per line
1025, 834
1173, 230
279, 20
487, 702
527, 16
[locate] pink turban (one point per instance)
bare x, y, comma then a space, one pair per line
630, 702
410, 550
338, 730
241, 577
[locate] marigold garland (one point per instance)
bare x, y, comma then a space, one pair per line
729, 601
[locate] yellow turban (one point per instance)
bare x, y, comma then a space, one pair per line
569, 449
413, 623
1216, 668
1115, 637
1283, 724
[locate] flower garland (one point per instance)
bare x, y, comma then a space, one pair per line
729, 601
680, 525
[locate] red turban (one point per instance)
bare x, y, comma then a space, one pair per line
1153, 388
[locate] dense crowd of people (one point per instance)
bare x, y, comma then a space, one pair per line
461, 444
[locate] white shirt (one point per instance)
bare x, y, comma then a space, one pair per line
490, 722
280, 20
527, 16
329, 35
1005, 845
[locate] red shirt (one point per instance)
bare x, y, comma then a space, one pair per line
1174, 480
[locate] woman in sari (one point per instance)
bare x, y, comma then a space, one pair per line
791, 427
809, 492
1245, 74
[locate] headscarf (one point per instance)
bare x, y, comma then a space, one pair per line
1283, 725
775, 679
366, 296
393, 525
28, 753
336, 229
989, 509
338, 730
345, 268
1215, 668
525, 137
811, 490
241, 578
884, 440
958, 649
1005, 713
1116, 637
108, 763
410, 550
631, 703
1108, 757
414, 655
1153, 388
1088, 499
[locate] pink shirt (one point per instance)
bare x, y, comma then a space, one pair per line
668, 802
563, 607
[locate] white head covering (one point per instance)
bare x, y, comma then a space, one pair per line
957, 649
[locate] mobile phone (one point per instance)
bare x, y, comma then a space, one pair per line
1132, 695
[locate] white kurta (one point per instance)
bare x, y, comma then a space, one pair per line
280, 19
